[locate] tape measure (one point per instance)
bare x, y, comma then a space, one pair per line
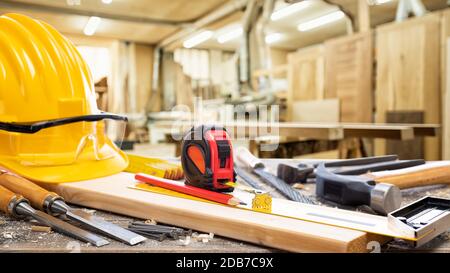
207, 158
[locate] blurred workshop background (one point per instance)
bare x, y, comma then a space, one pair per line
350, 78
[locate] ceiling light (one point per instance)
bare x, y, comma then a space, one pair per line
92, 25
198, 39
107, 2
288, 10
378, 2
272, 38
320, 21
230, 35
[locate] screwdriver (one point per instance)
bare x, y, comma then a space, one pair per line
52, 203
17, 206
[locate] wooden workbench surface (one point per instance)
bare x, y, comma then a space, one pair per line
16, 236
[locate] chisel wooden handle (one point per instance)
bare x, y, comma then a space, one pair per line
245, 157
38, 196
9, 200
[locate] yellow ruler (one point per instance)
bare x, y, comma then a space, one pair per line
154, 166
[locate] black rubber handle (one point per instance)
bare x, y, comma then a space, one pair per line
345, 190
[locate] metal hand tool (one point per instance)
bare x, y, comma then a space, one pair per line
424, 219
17, 206
356, 190
54, 204
302, 172
245, 157
245, 176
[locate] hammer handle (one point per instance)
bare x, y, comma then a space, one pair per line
423, 175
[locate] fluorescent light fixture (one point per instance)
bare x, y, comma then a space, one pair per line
107, 2
320, 21
379, 2
230, 35
273, 37
198, 39
288, 10
92, 25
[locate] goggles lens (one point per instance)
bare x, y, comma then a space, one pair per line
65, 144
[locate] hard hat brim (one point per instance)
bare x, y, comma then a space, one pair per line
79, 171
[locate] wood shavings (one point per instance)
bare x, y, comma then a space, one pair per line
89, 211
41, 229
186, 241
204, 238
151, 222
8, 235
298, 186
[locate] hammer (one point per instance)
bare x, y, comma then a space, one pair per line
356, 190
300, 173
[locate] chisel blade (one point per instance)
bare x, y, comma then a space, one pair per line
104, 227
68, 229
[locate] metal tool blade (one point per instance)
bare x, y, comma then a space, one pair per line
106, 228
61, 226
282, 186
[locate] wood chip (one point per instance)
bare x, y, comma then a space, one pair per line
41, 229
151, 222
298, 186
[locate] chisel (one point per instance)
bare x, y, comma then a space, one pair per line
54, 204
17, 206
245, 157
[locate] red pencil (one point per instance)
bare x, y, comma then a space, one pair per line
194, 191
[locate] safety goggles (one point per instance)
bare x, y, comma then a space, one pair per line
31, 128
64, 141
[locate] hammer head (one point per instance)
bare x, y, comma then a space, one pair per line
356, 190
293, 173
385, 198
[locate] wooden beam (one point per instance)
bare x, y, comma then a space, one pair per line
255, 129
74, 11
378, 131
363, 16
113, 194
327, 131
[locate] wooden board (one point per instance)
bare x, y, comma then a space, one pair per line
305, 76
405, 149
408, 73
316, 111
112, 194
445, 83
446, 107
348, 75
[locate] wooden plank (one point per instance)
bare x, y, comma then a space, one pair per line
305, 76
378, 131
363, 16
348, 75
255, 129
112, 194
326, 131
446, 106
445, 83
408, 73
405, 149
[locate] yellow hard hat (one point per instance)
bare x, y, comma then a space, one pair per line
50, 127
